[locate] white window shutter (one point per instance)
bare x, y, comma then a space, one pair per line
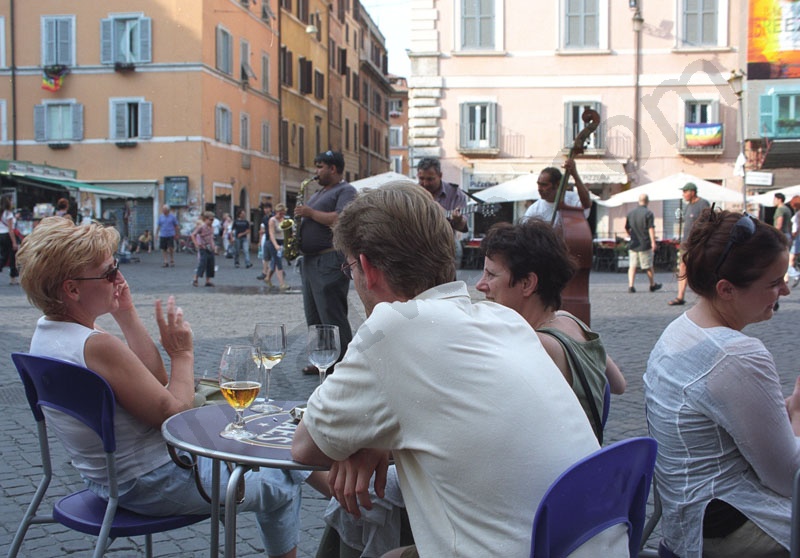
77, 121
463, 125
39, 116
49, 43
145, 40
120, 123
491, 117
145, 120
765, 121
65, 42
106, 41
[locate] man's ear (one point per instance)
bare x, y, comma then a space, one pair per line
371, 273
530, 283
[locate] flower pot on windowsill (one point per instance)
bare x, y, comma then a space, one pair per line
126, 143
58, 145
124, 66
56, 70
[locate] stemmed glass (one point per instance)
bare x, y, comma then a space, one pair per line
239, 383
323, 347
270, 341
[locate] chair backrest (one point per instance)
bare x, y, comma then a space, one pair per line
604, 489
71, 389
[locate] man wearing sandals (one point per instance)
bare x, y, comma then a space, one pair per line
694, 206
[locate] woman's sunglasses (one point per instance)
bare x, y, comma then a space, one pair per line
742, 231
110, 275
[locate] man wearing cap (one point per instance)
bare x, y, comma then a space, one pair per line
325, 287
694, 206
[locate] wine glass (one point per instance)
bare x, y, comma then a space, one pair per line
323, 347
239, 382
270, 340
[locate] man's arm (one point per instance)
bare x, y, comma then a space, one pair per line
305, 449
652, 231
583, 193
327, 218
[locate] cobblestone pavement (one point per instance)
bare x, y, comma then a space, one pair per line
629, 324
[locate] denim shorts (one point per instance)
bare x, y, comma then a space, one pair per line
273, 494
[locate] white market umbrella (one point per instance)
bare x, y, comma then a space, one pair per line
378, 180
521, 188
766, 198
669, 188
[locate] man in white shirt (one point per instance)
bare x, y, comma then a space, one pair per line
477, 441
548, 182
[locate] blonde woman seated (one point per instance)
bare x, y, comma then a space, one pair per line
70, 274
727, 439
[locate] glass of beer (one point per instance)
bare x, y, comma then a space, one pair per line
239, 382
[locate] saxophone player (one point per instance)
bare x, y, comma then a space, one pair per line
325, 287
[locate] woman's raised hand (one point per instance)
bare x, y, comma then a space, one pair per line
176, 334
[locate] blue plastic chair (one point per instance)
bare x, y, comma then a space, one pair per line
87, 397
604, 489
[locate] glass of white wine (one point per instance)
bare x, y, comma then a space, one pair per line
239, 382
270, 341
323, 347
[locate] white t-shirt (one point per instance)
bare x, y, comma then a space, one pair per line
479, 419
6, 219
543, 210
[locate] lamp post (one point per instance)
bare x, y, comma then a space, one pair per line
736, 81
638, 22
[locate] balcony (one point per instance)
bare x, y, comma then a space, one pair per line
702, 139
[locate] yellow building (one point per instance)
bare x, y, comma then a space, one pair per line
182, 93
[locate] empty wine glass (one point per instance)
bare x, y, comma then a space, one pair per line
239, 375
270, 340
323, 347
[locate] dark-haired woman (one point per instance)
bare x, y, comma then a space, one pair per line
8, 239
727, 439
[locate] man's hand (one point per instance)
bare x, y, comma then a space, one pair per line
349, 479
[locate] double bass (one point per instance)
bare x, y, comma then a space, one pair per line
576, 232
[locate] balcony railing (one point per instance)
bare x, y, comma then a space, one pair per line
787, 129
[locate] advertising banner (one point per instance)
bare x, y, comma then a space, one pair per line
773, 42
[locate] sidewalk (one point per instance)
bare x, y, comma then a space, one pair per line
629, 324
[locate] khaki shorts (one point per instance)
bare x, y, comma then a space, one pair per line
642, 260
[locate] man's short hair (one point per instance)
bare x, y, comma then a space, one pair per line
332, 158
401, 231
780, 196
554, 174
427, 163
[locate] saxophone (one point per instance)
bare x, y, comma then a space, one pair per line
291, 227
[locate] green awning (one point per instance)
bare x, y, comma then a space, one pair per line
71, 184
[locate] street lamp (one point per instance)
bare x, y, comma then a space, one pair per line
736, 81
638, 22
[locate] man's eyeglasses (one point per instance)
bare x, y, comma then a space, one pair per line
110, 275
347, 269
742, 231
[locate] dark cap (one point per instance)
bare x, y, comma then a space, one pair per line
689, 186
333, 158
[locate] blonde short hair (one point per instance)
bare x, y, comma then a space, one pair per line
280, 207
58, 250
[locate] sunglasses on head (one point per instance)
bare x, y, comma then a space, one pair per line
347, 269
742, 231
110, 275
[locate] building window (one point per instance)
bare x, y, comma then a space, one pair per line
302, 11
343, 61
125, 39
59, 121
3, 121
247, 72
395, 136
317, 134
283, 141
304, 74
395, 107
478, 125
224, 51
365, 93
301, 146
779, 115
319, 85
355, 87
377, 102
265, 73
3, 43
223, 128
573, 124
355, 136
477, 24
286, 5
244, 131
265, 137
582, 24
365, 135
58, 40
702, 23
286, 66
331, 53
396, 164
130, 119
347, 133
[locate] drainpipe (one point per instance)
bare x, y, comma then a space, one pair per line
13, 85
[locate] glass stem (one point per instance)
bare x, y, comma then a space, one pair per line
322, 372
269, 374
239, 420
